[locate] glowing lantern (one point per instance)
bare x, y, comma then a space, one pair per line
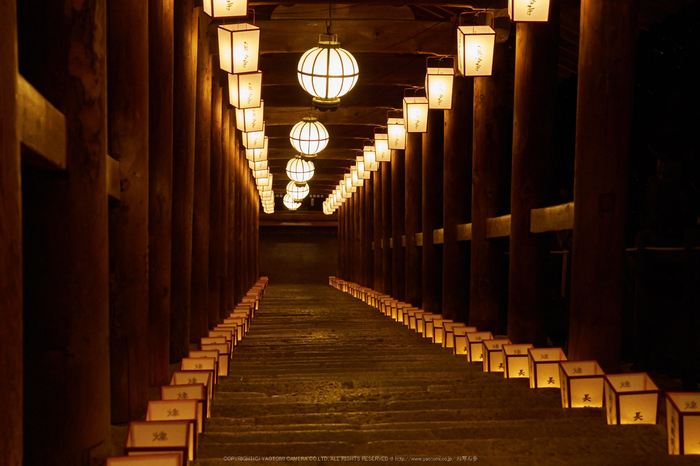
300, 170
492, 351
264, 181
581, 384
261, 173
297, 191
683, 423
327, 72
460, 339
290, 203
370, 158
250, 119
381, 142
631, 399
474, 346
415, 111
239, 47
439, 330
181, 410
438, 82
166, 459
254, 139
309, 136
344, 192
260, 165
257, 155
448, 339
362, 171
173, 436
225, 8
544, 366
528, 10
475, 45
245, 89
355, 178
196, 391
516, 361
396, 137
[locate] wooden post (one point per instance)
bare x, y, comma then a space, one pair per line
603, 115
357, 234
433, 142
367, 235
160, 179
10, 244
199, 313
413, 225
488, 300
232, 220
225, 198
184, 109
65, 226
341, 241
691, 312
387, 266
377, 282
128, 220
238, 224
398, 199
243, 208
215, 221
533, 183
457, 200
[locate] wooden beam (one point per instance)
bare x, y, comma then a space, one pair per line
329, 153
438, 236
113, 179
473, 4
289, 116
464, 232
554, 218
344, 131
362, 95
41, 127
498, 227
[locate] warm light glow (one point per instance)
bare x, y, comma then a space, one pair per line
257, 155
309, 136
544, 367
250, 119
370, 158
298, 191
245, 89
327, 72
239, 47
396, 137
254, 139
381, 146
475, 46
349, 185
355, 178
344, 190
226, 8
528, 10
438, 87
362, 172
631, 398
581, 384
683, 423
516, 361
415, 110
261, 173
300, 170
261, 165
290, 203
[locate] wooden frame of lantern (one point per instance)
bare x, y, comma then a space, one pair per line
460, 341
439, 81
300, 170
254, 139
492, 351
166, 459
239, 47
177, 410
396, 132
544, 367
631, 399
309, 136
528, 11
516, 361
225, 8
209, 354
415, 111
683, 423
290, 203
245, 89
250, 119
581, 384
475, 46
474, 346
439, 330
152, 437
197, 391
448, 340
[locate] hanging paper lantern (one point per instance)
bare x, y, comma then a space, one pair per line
309, 136
250, 119
415, 111
290, 203
245, 89
225, 8
355, 178
475, 45
261, 165
300, 170
439, 80
298, 191
254, 139
261, 173
257, 155
239, 47
528, 10
362, 172
396, 130
370, 158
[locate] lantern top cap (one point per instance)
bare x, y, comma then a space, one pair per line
329, 41
237, 27
309, 119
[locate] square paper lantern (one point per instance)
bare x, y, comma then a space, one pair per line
415, 111
254, 139
250, 119
239, 47
475, 45
425, 327
515, 358
154, 437
177, 410
402, 315
257, 155
414, 318
439, 79
544, 366
245, 89
683, 423
193, 377
528, 10
224, 351
474, 345
167, 459
493, 354
225, 8
396, 134
439, 330
370, 158
448, 340
631, 398
461, 344
581, 384
212, 354
197, 391
381, 146
363, 174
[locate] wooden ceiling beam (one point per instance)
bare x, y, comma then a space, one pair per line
289, 116
335, 131
328, 153
292, 95
473, 4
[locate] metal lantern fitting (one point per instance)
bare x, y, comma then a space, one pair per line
439, 81
300, 170
254, 139
528, 10
370, 158
225, 8
250, 119
245, 89
257, 155
327, 72
298, 191
309, 136
415, 111
290, 203
475, 45
239, 47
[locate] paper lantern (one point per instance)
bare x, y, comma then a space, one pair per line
355, 178
475, 46
309, 136
166, 459
194, 377
370, 158
225, 8
260, 165
439, 330
396, 129
153, 437
439, 81
327, 72
344, 192
239, 47
381, 142
415, 112
631, 398
544, 367
177, 410
581, 384
474, 346
197, 391
290, 203
448, 340
261, 173
528, 10
224, 351
515, 358
460, 339
492, 351
257, 155
245, 89
250, 119
362, 171
254, 139
297, 191
683, 423
300, 170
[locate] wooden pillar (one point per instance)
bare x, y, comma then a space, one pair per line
357, 234
128, 219
215, 193
367, 235
232, 220
341, 241
238, 225
605, 85
184, 109
413, 225
457, 200
433, 142
387, 266
377, 282
488, 300
65, 226
533, 182
160, 185
242, 230
398, 191
225, 199
10, 244
199, 314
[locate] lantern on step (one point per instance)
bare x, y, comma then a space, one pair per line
250, 119
298, 191
309, 136
475, 45
459, 339
415, 110
515, 358
396, 132
254, 139
257, 155
290, 203
492, 351
581, 384
239, 47
474, 346
245, 89
381, 143
327, 72
369, 155
300, 170
225, 8
544, 367
439, 81
528, 10
683, 423
631, 398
